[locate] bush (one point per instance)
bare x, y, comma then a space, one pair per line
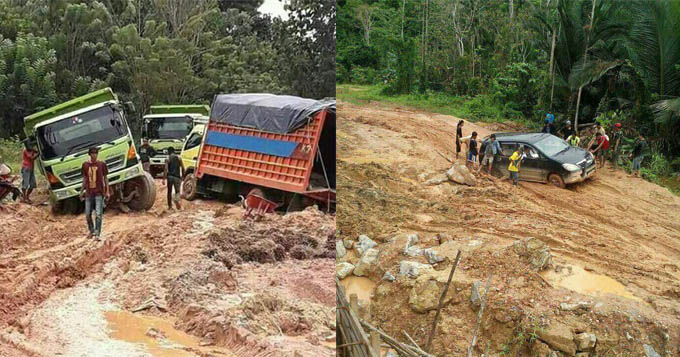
10, 152
517, 87
363, 75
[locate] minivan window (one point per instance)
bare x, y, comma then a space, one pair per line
508, 148
551, 145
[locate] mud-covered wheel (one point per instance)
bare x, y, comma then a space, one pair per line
556, 180
146, 192
56, 207
189, 187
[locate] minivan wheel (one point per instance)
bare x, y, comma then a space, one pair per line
556, 180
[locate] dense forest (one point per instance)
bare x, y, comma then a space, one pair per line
583, 60
159, 52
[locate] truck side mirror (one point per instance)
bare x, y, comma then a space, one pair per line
130, 107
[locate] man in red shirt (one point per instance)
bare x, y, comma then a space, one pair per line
27, 173
95, 188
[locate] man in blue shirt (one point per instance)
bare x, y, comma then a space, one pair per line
492, 150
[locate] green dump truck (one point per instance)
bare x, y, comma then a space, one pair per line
168, 126
64, 133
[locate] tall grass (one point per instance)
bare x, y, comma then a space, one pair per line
480, 108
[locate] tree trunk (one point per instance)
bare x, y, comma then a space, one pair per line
552, 58
427, 22
512, 9
403, 14
585, 59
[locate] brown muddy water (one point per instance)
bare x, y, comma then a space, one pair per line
133, 328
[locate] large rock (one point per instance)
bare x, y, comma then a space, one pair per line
425, 295
476, 293
436, 180
578, 307
535, 251
340, 250
411, 240
460, 174
348, 243
559, 337
413, 251
342, 270
366, 262
649, 351
585, 341
364, 244
413, 269
388, 277
433, 256
540, 349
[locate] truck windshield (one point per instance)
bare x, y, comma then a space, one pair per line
169, 128
552, 145
96, 126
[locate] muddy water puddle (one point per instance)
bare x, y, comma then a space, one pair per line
359, 285
577, 279
157, 335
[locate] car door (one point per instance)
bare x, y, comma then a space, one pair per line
500, 167
533, 166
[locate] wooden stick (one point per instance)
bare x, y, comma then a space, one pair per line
441, 302
479, 317
412, 340
445, 158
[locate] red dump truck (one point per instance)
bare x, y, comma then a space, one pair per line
279, 147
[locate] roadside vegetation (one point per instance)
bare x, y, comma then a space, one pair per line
159, 52
585, 61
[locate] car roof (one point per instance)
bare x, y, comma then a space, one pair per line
527, 138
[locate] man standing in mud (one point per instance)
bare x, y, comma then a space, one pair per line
28, 173
174, 171
145, 153
95, 188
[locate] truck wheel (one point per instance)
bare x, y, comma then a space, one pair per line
57, 207
146, 192
189, 187
556, 180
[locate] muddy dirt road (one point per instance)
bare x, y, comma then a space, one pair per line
196, 282
614, 241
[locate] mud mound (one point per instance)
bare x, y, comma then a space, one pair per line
301, 235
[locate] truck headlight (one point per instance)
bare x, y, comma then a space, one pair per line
133, 172
62, 194
571, 167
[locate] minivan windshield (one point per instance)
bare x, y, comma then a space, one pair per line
79, 132
169, 128
551, 145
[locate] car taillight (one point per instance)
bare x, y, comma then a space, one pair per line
53, 180
131, 153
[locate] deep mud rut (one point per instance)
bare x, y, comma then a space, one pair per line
61, 294
615, 242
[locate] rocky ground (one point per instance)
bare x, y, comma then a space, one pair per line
196, 282
591, 270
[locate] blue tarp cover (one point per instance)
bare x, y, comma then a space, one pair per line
251, 143
267, 112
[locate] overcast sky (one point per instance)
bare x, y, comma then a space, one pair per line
275, 8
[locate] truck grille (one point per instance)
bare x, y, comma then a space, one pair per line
112, 163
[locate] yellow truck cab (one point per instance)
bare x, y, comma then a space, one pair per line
168, 126
192, 145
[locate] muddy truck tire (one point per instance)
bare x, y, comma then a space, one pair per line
71, 205
146, 192
189, 187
